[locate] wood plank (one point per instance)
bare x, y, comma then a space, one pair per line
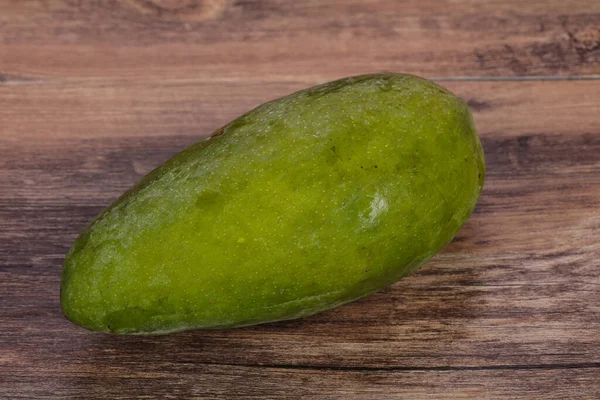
308, 40
83, 108
200, 381
509, 309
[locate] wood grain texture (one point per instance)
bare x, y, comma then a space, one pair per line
290, 40
510, 309
109, 109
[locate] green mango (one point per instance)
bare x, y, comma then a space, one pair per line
305, 203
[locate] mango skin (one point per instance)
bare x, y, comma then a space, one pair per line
303, 204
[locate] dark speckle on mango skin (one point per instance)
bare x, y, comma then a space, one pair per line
302, 204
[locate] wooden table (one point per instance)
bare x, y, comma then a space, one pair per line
94, 94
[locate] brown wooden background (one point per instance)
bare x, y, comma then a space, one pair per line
93, 94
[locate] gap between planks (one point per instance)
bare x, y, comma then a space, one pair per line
17, 79
562, 366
